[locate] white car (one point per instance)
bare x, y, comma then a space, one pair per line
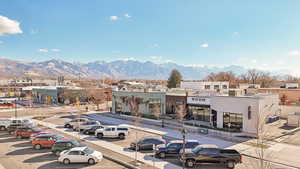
5, 122
86, 126
76, 121
112, 131
80, 155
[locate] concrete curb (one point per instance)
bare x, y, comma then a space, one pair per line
120, 162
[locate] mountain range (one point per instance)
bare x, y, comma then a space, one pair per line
119, 69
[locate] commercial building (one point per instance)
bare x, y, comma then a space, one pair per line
173, 100
286, 96
221, 88
148, 102
244, 113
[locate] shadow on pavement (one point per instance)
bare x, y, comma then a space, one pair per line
29, 150
41, 158
26, 144
56, 164
8, 140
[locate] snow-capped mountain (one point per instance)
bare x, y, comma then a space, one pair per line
120, 69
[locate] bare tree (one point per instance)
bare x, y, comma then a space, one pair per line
96, 96
262, 137
253, 75
134, 105
180, 110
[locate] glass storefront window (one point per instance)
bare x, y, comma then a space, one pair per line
233, 121
200, 113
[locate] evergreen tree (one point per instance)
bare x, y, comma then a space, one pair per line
174, 79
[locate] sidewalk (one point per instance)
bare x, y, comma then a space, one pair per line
276, 153
116, 148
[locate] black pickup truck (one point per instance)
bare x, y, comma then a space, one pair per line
211, 154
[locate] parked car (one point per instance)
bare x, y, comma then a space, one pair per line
147, 143
32, 136
76, 121
26, 132
5, 122
45, 141
86, 125
80, 155
112, 131
173, 148
11, 129
211, 154
92, 130
65, 144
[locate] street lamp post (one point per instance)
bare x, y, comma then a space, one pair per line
15, 108
183, 145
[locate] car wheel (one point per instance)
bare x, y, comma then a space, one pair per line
2, 128
230, 164
11, 132
66, 161
19, 136
67, 126
57, 153
100, 135
121, 136
162, 155
37, 146
190, 163
91, 161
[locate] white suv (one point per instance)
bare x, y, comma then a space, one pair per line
112, 131
86, 125
76, 121
4, 123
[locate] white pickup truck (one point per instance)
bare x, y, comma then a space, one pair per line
5, 122
112, 131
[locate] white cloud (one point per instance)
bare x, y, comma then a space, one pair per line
55, 50
8, 26
44, 50
127, 15
204, 45
114, 18
294, 52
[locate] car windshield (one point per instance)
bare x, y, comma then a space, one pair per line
36, 129
59, 136
196, 149
88, 151
75, 142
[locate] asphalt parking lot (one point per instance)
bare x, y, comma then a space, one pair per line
59, 120
19, 154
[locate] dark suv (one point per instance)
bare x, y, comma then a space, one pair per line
62, 145
147, 143
211, 154
92, 130
173, 148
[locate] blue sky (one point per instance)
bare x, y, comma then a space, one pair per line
258, 34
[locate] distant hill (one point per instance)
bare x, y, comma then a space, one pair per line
120, 69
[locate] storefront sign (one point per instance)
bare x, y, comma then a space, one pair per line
198, 100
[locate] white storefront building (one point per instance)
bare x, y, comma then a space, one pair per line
244, 113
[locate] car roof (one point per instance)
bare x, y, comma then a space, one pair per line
151, 138
208, 146
181, 141
78, 148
